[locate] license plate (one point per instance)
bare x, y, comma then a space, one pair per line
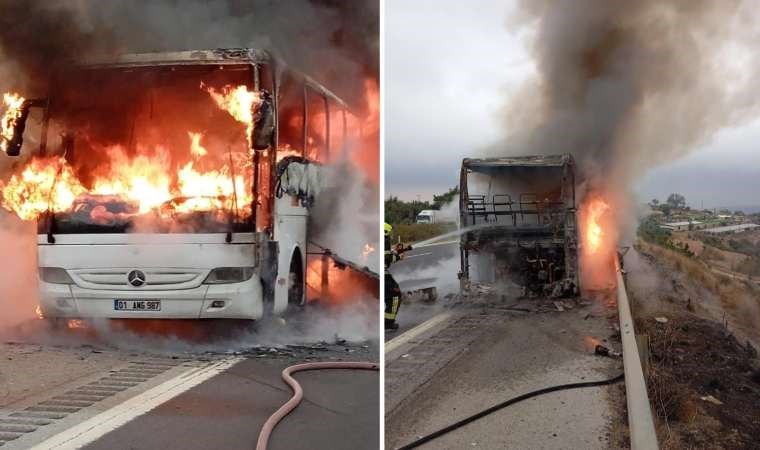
137, 305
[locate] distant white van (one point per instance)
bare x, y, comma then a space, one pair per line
426, 216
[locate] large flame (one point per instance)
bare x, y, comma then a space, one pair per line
44, 184
145, 177
599, 241
142, 179
594, 233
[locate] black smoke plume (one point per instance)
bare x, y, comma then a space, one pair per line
628, 85
334, 41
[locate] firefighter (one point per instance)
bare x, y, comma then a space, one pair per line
392, 289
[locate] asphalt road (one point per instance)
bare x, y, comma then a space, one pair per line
473, 357
182, 395
479, 359
340, 411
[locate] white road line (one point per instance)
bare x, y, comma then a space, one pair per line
407, 336
107, 421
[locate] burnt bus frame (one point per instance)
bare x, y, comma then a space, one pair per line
266, 73
567, 196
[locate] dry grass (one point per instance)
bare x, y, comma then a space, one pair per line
692, 357
711, 254
734, 295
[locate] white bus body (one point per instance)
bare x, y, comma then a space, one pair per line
177, 275
175, 269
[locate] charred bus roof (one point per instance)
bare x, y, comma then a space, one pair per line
213, 57
518, 161
188, 57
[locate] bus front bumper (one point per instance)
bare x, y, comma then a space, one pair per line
212, 301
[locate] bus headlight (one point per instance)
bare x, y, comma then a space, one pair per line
222, 275
55, 275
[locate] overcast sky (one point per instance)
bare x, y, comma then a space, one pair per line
449, 66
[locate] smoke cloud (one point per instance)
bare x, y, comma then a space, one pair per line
625, 86
334, 41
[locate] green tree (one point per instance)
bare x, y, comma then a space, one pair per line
676, 200
398, 211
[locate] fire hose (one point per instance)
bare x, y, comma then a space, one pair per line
290, 405
504, 404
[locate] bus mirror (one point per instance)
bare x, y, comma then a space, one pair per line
263, 122
16, 124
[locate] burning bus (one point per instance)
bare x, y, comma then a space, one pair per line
519, 218
173, 185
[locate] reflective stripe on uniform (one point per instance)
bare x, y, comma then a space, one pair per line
391, 315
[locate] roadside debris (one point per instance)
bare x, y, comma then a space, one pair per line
601, 350
661, 319
711, 399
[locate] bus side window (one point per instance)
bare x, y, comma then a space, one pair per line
316, 131
290, 117
337, 127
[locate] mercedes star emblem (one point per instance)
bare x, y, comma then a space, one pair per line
136, 278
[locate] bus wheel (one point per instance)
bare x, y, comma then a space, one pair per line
295, 281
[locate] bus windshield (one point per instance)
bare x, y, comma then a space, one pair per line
149, 150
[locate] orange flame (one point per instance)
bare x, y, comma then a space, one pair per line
196, 149
73, 324
594, 233
285, 151
44, 184
13, 103
146, 178
599, 237
344, 285
239, 102
143, 179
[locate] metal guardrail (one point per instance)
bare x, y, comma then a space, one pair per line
640, 421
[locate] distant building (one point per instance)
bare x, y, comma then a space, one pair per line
683, 226
732, 228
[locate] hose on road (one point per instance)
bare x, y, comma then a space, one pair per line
291, 404
512, 401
